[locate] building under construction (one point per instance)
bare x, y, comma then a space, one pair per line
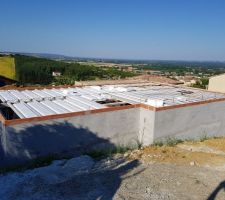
42, 122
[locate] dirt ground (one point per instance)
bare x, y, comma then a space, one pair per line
208, 153
190, 170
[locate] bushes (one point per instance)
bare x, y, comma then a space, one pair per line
169, 141
32, 70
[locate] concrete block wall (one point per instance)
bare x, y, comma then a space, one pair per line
26, 141
191, 122
124, 126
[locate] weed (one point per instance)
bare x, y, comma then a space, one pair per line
102, 153
169, 141
173, 141
217, 137
158, 143
203, 138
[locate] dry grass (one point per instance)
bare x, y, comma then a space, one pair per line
7, 67
210, 153
216, 143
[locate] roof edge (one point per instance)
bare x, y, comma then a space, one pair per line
109, 109
66, 115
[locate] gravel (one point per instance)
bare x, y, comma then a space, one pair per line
112, 178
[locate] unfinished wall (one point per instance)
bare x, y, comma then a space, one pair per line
146, 129
77, 134
191, 121
26, 141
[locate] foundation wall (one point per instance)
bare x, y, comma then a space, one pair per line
73, 135
191, 122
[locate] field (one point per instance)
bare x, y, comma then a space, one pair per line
7, 67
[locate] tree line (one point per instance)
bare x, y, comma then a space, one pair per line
33, 70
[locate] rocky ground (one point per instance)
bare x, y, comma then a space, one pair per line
185, 171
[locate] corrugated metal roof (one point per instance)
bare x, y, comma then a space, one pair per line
33, 103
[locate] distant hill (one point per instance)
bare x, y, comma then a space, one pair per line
169, 63
43, 55
7, 67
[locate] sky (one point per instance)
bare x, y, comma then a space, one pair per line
122, 29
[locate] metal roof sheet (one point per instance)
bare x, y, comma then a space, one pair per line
26, 111
55, 107
65, 104
41, 109
32, 103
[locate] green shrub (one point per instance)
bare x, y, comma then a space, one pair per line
169, 141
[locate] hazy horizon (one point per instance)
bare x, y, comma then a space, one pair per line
105, 58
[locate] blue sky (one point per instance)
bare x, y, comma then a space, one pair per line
129, 29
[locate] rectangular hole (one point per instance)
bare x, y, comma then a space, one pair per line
8, 113
113, 103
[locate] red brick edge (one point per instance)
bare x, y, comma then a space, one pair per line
66, 115
189, 104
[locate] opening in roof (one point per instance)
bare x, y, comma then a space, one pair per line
183, 92
113, 102
7, 112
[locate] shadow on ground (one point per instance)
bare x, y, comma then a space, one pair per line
214, 194
22, 143
101, 182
